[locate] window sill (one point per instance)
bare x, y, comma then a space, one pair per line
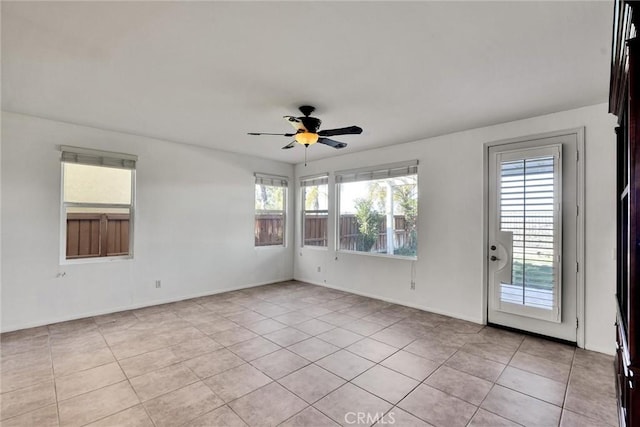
378, 255
96, 260
270, 247
315, 248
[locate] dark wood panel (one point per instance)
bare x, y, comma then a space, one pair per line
117, 236
124, 236
633, 195
113, 237
624, 101
95, 234
95, 237
269, 229
84, 238
73, 238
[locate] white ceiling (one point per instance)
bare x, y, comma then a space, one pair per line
206, 73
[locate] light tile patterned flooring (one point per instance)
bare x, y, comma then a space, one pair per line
294, 354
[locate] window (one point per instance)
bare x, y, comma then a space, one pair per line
315, 201
378, 210
271, 202
97, 203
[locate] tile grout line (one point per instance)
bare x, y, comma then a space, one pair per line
368, 369
309, 364
423, 382
561, 407
52, 380
247, 300
197, 376
494, 384
199, 379
566, 390
53, 373
573, 364
127, 379
379, 364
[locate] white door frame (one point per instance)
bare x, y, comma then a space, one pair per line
580, 289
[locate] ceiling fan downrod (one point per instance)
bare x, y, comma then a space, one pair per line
306, 109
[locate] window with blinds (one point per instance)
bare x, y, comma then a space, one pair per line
378, 209
270, 210
315, 210
97, 202
528, 201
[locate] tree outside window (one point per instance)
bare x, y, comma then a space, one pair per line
315, 211
379, 216
270, 206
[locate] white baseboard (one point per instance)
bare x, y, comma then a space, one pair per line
252, 285
608, 351
136, 306
395, 301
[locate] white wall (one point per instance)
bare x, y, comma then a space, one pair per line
449, 270
193, 226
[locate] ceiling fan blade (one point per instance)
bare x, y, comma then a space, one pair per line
296, 123
289, 145
278, 134
331, 143
350, 130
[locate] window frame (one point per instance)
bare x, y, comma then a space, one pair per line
279, 182
96, 158
373, 173
316, 180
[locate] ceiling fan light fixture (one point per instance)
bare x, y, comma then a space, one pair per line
306, 138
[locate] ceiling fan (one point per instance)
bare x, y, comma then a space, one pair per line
307, 132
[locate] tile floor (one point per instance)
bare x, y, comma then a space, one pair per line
294, 354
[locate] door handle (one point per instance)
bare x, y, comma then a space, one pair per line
494, 258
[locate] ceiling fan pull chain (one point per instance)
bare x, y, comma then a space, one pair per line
305, 155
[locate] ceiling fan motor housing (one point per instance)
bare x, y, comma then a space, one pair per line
310, 123
306, 109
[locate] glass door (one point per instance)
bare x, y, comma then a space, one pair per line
527, 235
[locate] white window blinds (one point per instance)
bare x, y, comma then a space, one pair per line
378, 172
310, 181
88, 156
272, 180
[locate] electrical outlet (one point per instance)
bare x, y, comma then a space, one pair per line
413, 285
319, 269
158, 284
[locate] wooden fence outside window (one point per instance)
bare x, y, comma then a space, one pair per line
315, 232
269, 229
97, 235
349, 233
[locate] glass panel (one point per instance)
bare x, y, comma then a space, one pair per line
527, 210
270, 204
95, 232
269, 198
316, 201
96, 184
379, 216
81, 209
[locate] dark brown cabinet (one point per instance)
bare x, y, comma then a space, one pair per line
624, 102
